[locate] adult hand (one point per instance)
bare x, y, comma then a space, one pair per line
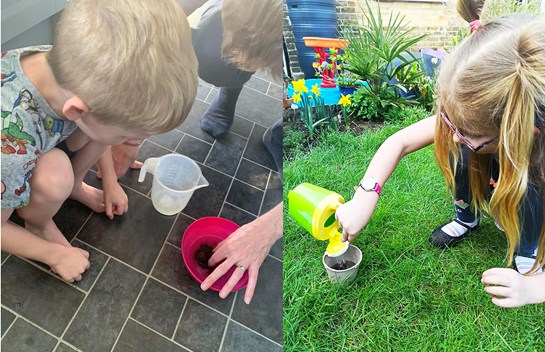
508, 288
246, 247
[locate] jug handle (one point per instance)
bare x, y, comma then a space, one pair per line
149, 166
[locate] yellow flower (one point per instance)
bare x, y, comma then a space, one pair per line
299, 86
296, 98
315, 90
345, 100
315, 64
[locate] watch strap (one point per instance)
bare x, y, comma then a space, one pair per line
377, 188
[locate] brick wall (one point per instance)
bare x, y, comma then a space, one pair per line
436, 19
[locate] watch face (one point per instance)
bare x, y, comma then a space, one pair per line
368, 184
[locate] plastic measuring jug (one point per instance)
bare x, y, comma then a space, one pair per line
314, 208
175, 179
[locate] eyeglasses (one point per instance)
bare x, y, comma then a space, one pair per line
463, 138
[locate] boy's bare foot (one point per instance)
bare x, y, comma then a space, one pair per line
49, 232
89, 196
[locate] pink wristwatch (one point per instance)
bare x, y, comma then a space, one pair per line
369, 184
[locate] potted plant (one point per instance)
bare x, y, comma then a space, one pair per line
346, 82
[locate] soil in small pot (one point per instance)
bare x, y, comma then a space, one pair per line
343, 265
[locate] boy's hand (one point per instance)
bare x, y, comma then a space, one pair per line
508, 288
71, 263
116, 201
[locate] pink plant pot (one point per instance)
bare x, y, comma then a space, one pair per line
208, 231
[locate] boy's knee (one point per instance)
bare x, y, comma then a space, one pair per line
53, 176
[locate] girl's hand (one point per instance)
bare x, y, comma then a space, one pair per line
353, 215
508, 288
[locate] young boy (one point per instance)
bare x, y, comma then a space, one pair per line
116, 71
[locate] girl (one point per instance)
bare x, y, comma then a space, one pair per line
489, 134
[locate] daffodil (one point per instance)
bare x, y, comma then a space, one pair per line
296, 98
345, 100
315, 90
299, 86
315, 64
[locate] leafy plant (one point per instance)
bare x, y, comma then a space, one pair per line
367, 104
375, 47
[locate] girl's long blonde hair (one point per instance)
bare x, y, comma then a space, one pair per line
494, 84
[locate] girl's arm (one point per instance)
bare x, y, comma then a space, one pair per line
355, 214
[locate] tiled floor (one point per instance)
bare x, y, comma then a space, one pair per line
138, 295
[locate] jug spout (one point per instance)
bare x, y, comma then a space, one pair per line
149, 166
203, 182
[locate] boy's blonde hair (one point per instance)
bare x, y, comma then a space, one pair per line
130, 61
252, 34
494, 84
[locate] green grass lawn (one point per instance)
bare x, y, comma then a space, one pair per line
408, 296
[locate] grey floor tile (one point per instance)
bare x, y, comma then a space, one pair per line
256, 151
168, 140
192, 123
207, 201
97, 261
138, 338
258, 84
25, 337
253, 174
170, 269
258, 107
275, 91
178, 229
4, 256
62, 347
245, 196
71, 217
240, 339
273, 194
226, 153
38, 296
101, 317
200, 328
276, 250
236, 215
159, 307
202, 90
242, 126
194, 148
117, 237
7, 319
264, 313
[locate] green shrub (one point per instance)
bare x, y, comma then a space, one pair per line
294, 142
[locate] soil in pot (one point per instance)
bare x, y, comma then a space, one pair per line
343, 265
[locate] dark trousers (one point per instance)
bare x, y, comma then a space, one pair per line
530, 209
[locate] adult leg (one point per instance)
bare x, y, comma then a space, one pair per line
272, 139
207, 40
